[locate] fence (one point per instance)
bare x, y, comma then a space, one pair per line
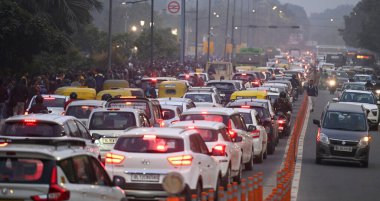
251, 189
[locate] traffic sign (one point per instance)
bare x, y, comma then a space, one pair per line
174, 7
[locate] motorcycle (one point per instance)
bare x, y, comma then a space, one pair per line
332, 86
283, 121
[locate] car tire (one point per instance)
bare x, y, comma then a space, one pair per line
198, 191
227, 178
265, 153
260, 158
249, 165
318, 160
239, 177
271, 148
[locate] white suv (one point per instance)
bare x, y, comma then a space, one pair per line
204, 99
54, 170
235, 124
82, 109
144, 156
218, 141
107, 124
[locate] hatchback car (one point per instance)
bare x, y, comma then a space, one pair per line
82, 109
343, 134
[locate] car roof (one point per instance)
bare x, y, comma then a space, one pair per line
358, 91
117, 110
184, 100
210, 110
199, 124
222, 81
361, 75
53, 118
87, 103
246, 110
51, 95
342, 107
166, 132
199, 92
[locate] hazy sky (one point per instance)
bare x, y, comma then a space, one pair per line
316, 6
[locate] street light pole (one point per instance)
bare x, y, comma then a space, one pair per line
183, 31
196, 31
110, 39
151, 34
209, 30
233, 31
226, 33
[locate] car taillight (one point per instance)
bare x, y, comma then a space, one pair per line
281, 121
255, 134
56, 192
319, 135
232, 133
3, 144
175, 121
220, 149
112, 158
184, 160
245, 106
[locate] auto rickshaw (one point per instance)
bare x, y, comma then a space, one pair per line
172, 89
138, 92
249, 94
115, 84
82, 92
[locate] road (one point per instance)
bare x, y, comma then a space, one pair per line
337, 181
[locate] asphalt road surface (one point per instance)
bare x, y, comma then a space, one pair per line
337, 181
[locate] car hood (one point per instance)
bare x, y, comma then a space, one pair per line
344, 135
366, 105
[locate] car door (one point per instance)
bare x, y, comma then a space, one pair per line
85, 134
232, 148
70, 176
200, 160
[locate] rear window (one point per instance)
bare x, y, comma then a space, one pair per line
208, 135
244, 77
80, 112
52, 102
205, 117
199, 97
171, 113
149, 144
247, 117
32, 129
222, 86
144, 106
25, 170
112, 120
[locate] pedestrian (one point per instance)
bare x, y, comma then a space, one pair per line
3, 99
312, 92
19, 96
73, 97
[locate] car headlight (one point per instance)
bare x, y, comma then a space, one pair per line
374, 112
378, 91
364, 141
323, 138
332, 82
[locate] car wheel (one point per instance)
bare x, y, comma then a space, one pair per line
318, 160
271, 147
227, 178
239, 177
265, 153
249, 165
198, 191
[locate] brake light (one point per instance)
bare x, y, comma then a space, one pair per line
128, 97
281, 121
220, 149
154, 79
30, 120
161, 122
204, 112
56, 192
49, 98
187, 76
244, 74
319, 135
232, 134
255, 134
245, 106
161, 148
3, 144
112, 158
113, 109
191, 127
149, 137
256, 82
184, 160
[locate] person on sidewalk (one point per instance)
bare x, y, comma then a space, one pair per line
312, 92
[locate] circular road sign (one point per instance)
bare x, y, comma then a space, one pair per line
174, 7
173, 183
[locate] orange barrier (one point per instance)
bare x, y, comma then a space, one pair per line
252, 189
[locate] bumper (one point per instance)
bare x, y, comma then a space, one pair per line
324, 151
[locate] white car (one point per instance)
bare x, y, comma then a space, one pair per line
48, 126
184, 103
259, 134
365, 98
82, 109
51, 169
54, 103
216, 137
204, 99
170, 114
235, 124
144, 156
107, 124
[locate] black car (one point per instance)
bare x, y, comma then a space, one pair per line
343, 134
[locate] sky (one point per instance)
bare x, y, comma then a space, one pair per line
317, 6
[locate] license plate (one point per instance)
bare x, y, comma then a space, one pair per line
109, 140
222, 94
145, 177
343, 148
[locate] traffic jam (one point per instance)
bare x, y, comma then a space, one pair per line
208, 127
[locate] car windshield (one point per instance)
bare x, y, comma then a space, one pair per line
362, 78
345, 121
222, 86
52, 102
354, 87
170, 113
200, 97
205, 117
247, 117
112, 120
25, 170
80, 111
149, 144
342, 75
132, 104
357, 98
32, 129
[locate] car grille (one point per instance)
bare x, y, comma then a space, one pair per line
342, 153
144, 186
340, 142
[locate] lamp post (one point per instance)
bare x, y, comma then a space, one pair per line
110, 39
196, 31
226, 33
209, 30
151, 33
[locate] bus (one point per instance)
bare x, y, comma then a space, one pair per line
251, 56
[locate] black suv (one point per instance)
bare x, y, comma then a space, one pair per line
343, 134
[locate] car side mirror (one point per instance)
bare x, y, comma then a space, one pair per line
237, 139
119, 181
317, 122
96, 136
251, 128
335, 100
166, 115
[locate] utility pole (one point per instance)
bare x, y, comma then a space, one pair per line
233, 31
151, 34
110, 39
183, 31
209, 30
241, 22
196, 31
226, 33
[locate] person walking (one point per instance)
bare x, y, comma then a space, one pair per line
312, 92
3, 99
19, 96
